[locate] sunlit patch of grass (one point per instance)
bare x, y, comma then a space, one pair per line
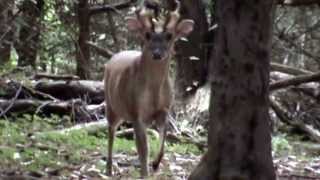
184, 149
10, 133
7, 155
281, 146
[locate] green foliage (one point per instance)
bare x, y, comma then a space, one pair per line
280, 145
10, 65
57, 41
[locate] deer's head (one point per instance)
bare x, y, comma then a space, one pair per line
158, 34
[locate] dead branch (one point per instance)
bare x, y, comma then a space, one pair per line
90, 128
114, 8
295, 81
4, 112
289, 70
282, 115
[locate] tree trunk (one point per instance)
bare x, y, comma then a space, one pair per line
28, 42
83, 51
5, 31
191, 55
239, 143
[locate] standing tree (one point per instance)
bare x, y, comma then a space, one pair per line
28, 42
83, 51
239, 132
5, 30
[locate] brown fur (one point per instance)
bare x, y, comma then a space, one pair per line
137, 89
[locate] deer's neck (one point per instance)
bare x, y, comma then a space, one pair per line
154, 72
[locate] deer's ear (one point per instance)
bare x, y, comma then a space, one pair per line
134, 24
184, 28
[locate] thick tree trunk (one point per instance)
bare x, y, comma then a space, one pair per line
5, 31
83, 51
28, 43
239, 143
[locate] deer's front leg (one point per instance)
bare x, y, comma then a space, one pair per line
114, 122
142, 146
160, 119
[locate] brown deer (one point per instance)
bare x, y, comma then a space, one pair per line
137, 87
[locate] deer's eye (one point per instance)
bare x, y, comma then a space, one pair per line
168, 36
148, 36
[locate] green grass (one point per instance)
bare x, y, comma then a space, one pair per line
22, 148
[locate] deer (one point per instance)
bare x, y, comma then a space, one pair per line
137, 86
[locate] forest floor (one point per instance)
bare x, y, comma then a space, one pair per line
29, 148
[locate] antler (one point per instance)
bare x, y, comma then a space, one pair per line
144, 16
174, 17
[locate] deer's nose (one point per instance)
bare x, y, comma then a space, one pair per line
157, 55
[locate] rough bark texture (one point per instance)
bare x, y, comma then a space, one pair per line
239, 131
5, 31
28, 42
192, 73
83, 51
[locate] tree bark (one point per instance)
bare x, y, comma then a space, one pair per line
239, 142
83, 50
28, 42
5, 31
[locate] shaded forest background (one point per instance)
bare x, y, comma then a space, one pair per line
52, 55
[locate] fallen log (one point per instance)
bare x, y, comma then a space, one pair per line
76, 109
35, 106
10, 89
91, 91
90, 128
295, 81
288, 70
65, 77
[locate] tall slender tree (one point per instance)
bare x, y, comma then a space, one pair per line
5, 30
239, 142
83, 51
27, 44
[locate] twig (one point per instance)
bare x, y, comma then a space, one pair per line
12, 101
